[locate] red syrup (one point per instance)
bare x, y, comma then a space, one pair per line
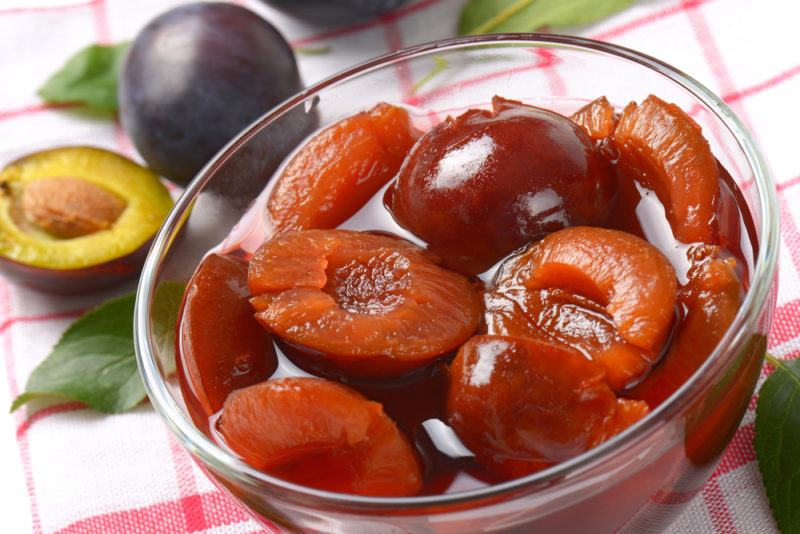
415, 401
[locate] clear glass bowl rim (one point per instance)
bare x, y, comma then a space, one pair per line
232, 467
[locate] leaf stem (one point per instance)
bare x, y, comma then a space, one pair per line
440, 64
501, 17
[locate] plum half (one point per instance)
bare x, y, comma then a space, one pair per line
222, 346
522, 404
370, 305
321, 434
76, 219
607, 293
662, 148
322, 185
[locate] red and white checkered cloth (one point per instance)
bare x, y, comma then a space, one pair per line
85, 472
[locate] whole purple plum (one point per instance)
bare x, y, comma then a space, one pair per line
195, 77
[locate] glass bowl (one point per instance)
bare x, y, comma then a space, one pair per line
641, 478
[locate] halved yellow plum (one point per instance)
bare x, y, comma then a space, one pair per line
74, 219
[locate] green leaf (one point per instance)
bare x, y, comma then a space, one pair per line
94, 361
501, 16
89, 77
777, 442
166, 306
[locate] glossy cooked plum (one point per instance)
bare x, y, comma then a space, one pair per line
195, 77
631, 278
320, 434
323, 185
562, 317
334, 11
223, 347
373, 305
711, 299
597, 119
478, 186
662, 148
628, 277
522, 405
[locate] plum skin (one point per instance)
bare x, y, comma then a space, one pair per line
485, 183
334, 11
194, 77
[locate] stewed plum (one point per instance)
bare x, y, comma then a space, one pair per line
195, 77
373, 305
478, 186
323, 185
223, 347
562, 317
597, 119
634, 284
522, 405
711, 299
321, 434
662, 148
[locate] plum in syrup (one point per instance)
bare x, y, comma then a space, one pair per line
662, 148
522, 405
373, 305
321, 434
597, 118
223, 347
322, 185
478, 186
634, 287
711, 299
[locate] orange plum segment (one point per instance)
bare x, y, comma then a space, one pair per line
321, 434
597, 119
711, 299
222, 346
372, 304
627, 275
662, 148
338, 170
560, 317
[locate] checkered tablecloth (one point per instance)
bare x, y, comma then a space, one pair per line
85, 472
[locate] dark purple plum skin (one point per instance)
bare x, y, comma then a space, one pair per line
327, 12
195, 77
89, 279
